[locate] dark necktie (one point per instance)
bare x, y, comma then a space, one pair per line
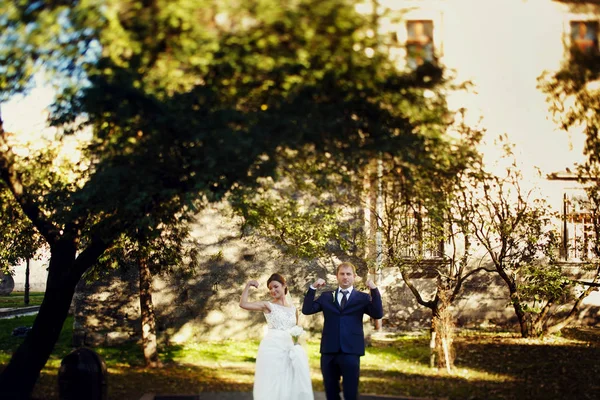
344, 299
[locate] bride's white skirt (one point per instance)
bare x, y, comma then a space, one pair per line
282, 371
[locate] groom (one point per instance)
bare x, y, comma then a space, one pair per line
343, 339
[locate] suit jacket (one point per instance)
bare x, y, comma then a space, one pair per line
343, 329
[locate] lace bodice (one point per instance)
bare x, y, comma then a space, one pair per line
280, 317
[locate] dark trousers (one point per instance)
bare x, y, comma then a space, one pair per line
340, 365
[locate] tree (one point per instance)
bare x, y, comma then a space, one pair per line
20, 240
315, 206
591, 261
423, 224
428, 235
184, 101
316, 210
162, 249
572, 97
517, 231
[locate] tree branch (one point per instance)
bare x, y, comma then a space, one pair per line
415, 291
477, 270
91, 254
573, 313
592, 284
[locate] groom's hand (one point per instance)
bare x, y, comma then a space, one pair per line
319, 283
371, 284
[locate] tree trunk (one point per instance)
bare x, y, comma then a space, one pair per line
523, 317
20, 375
26, 297
432, 342
442, 336
149, 343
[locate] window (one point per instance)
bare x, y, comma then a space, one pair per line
584, 36
577, 230
419, 43
422, 238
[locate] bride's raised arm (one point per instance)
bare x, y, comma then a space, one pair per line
249, 305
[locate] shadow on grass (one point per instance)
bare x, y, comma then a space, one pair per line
131, 383
441, 385
488, 372
488, 367
538, 370
585, 334
498, 377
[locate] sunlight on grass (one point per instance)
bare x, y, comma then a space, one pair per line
16, 299
237, 375
209, 353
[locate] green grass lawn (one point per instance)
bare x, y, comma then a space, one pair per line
16, 299
488, 366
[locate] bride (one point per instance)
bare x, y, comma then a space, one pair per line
282, 370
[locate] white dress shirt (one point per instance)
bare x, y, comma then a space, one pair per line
341, 295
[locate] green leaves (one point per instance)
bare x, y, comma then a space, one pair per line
18, 238
572, 96
300, 211
188, 99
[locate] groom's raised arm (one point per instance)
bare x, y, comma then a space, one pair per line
375, 307
309, 305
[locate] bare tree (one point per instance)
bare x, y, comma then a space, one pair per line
427, 238
518, 233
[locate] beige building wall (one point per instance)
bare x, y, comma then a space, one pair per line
38, 273
502, 47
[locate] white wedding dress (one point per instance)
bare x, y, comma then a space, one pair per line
282, 371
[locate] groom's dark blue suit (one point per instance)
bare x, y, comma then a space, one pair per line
342, 340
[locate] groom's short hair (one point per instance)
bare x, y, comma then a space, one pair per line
345, 265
